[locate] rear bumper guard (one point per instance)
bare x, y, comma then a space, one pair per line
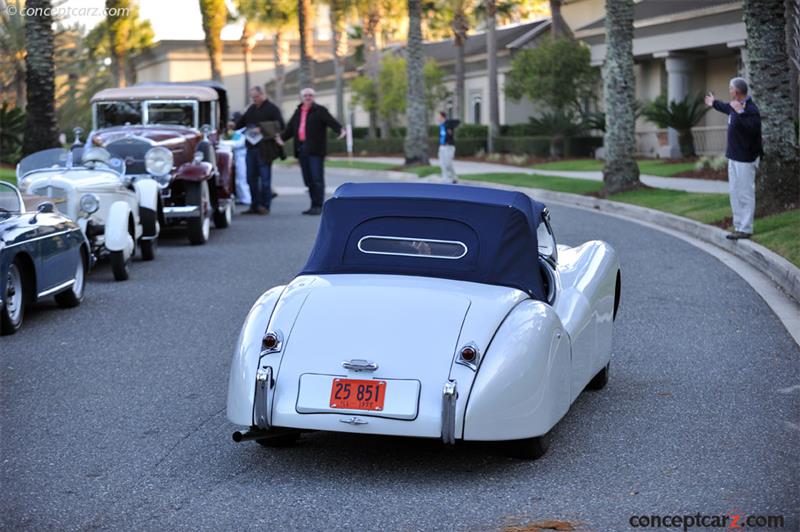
263, 400
449, 397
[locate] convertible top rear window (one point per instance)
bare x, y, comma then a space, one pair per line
412, 247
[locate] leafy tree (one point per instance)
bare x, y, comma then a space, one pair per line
681, 116
435, 89
620, 171
215, 14
12, 126
116, 37
558, 124
557, 73
12, 54
393, 88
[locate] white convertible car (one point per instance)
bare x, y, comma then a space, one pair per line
433, 311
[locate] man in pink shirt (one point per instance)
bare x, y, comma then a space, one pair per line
308, 128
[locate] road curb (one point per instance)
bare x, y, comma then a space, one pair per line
779, 270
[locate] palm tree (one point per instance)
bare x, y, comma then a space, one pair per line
121, 37
250, 12
12, 51
681, 116
778, 183
460, 26
620, 171
118, 32
306, 43
278, 16
491, 67
416, 142
215, 14
338, 12
558, 27
40, 115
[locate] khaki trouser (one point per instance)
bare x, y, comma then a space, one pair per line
742, 185
446, 155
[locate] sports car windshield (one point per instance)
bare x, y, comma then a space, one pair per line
9, 200
118, 113
43, 160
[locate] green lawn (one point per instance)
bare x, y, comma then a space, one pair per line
780, 232
8, 174
420, 171
558, 184
657, 167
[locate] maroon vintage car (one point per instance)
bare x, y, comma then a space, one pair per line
170, 132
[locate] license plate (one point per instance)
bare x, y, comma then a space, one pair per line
356, 394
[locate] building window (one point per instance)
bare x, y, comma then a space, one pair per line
476, 109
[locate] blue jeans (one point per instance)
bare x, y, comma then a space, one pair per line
313, 169
259, 179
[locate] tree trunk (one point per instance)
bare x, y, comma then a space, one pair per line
339, 45
19, 86
619, 84
40, 112
460, 26
279, 57
118, 33
371, 24
248, 42
306, 42
778, 176
416, 141
214, 13
491, 67
558, 27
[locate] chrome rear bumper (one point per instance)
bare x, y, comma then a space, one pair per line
189, 211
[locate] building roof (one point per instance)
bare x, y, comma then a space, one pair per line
157, 92
442, 51
654, 9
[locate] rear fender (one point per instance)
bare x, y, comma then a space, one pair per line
117, 237
522, 387
242, 379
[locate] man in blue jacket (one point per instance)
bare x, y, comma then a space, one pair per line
743, 152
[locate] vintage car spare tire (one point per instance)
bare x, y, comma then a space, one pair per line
14, 299
199, 227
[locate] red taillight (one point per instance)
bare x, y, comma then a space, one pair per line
270, 341
469, 354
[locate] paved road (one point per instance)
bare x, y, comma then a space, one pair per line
112, 414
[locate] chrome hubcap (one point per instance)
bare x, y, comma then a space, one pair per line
13, 296
206, 209
77, 288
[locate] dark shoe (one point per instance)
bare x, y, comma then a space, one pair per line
263, 210
313, 211
250, 211
738, 235
274, 194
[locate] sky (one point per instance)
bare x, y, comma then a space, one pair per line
163, 15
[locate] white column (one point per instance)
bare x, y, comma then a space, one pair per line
678, 69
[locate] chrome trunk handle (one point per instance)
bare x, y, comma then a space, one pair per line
358, 364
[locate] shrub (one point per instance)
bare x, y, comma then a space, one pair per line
12, 126
680, 115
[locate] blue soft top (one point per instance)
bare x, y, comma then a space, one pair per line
497, 227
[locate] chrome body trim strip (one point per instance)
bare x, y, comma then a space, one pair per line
43, 237
449, 396
55, 289
188, 211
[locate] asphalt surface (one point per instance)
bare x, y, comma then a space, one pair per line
112, 415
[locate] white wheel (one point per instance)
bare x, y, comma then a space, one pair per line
13, 308
199, 228
223, 219
74, 296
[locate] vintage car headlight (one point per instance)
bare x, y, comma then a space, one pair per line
90, 203
158, 161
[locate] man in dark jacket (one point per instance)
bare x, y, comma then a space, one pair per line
307, 127
447, 145
743, 153
259, 153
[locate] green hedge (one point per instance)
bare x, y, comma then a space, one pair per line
534, 146
582, 146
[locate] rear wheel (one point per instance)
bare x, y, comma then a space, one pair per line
13, 309
222, 219
120, 265
199, 228
529, 448
74, 296
600, 380
149, 241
